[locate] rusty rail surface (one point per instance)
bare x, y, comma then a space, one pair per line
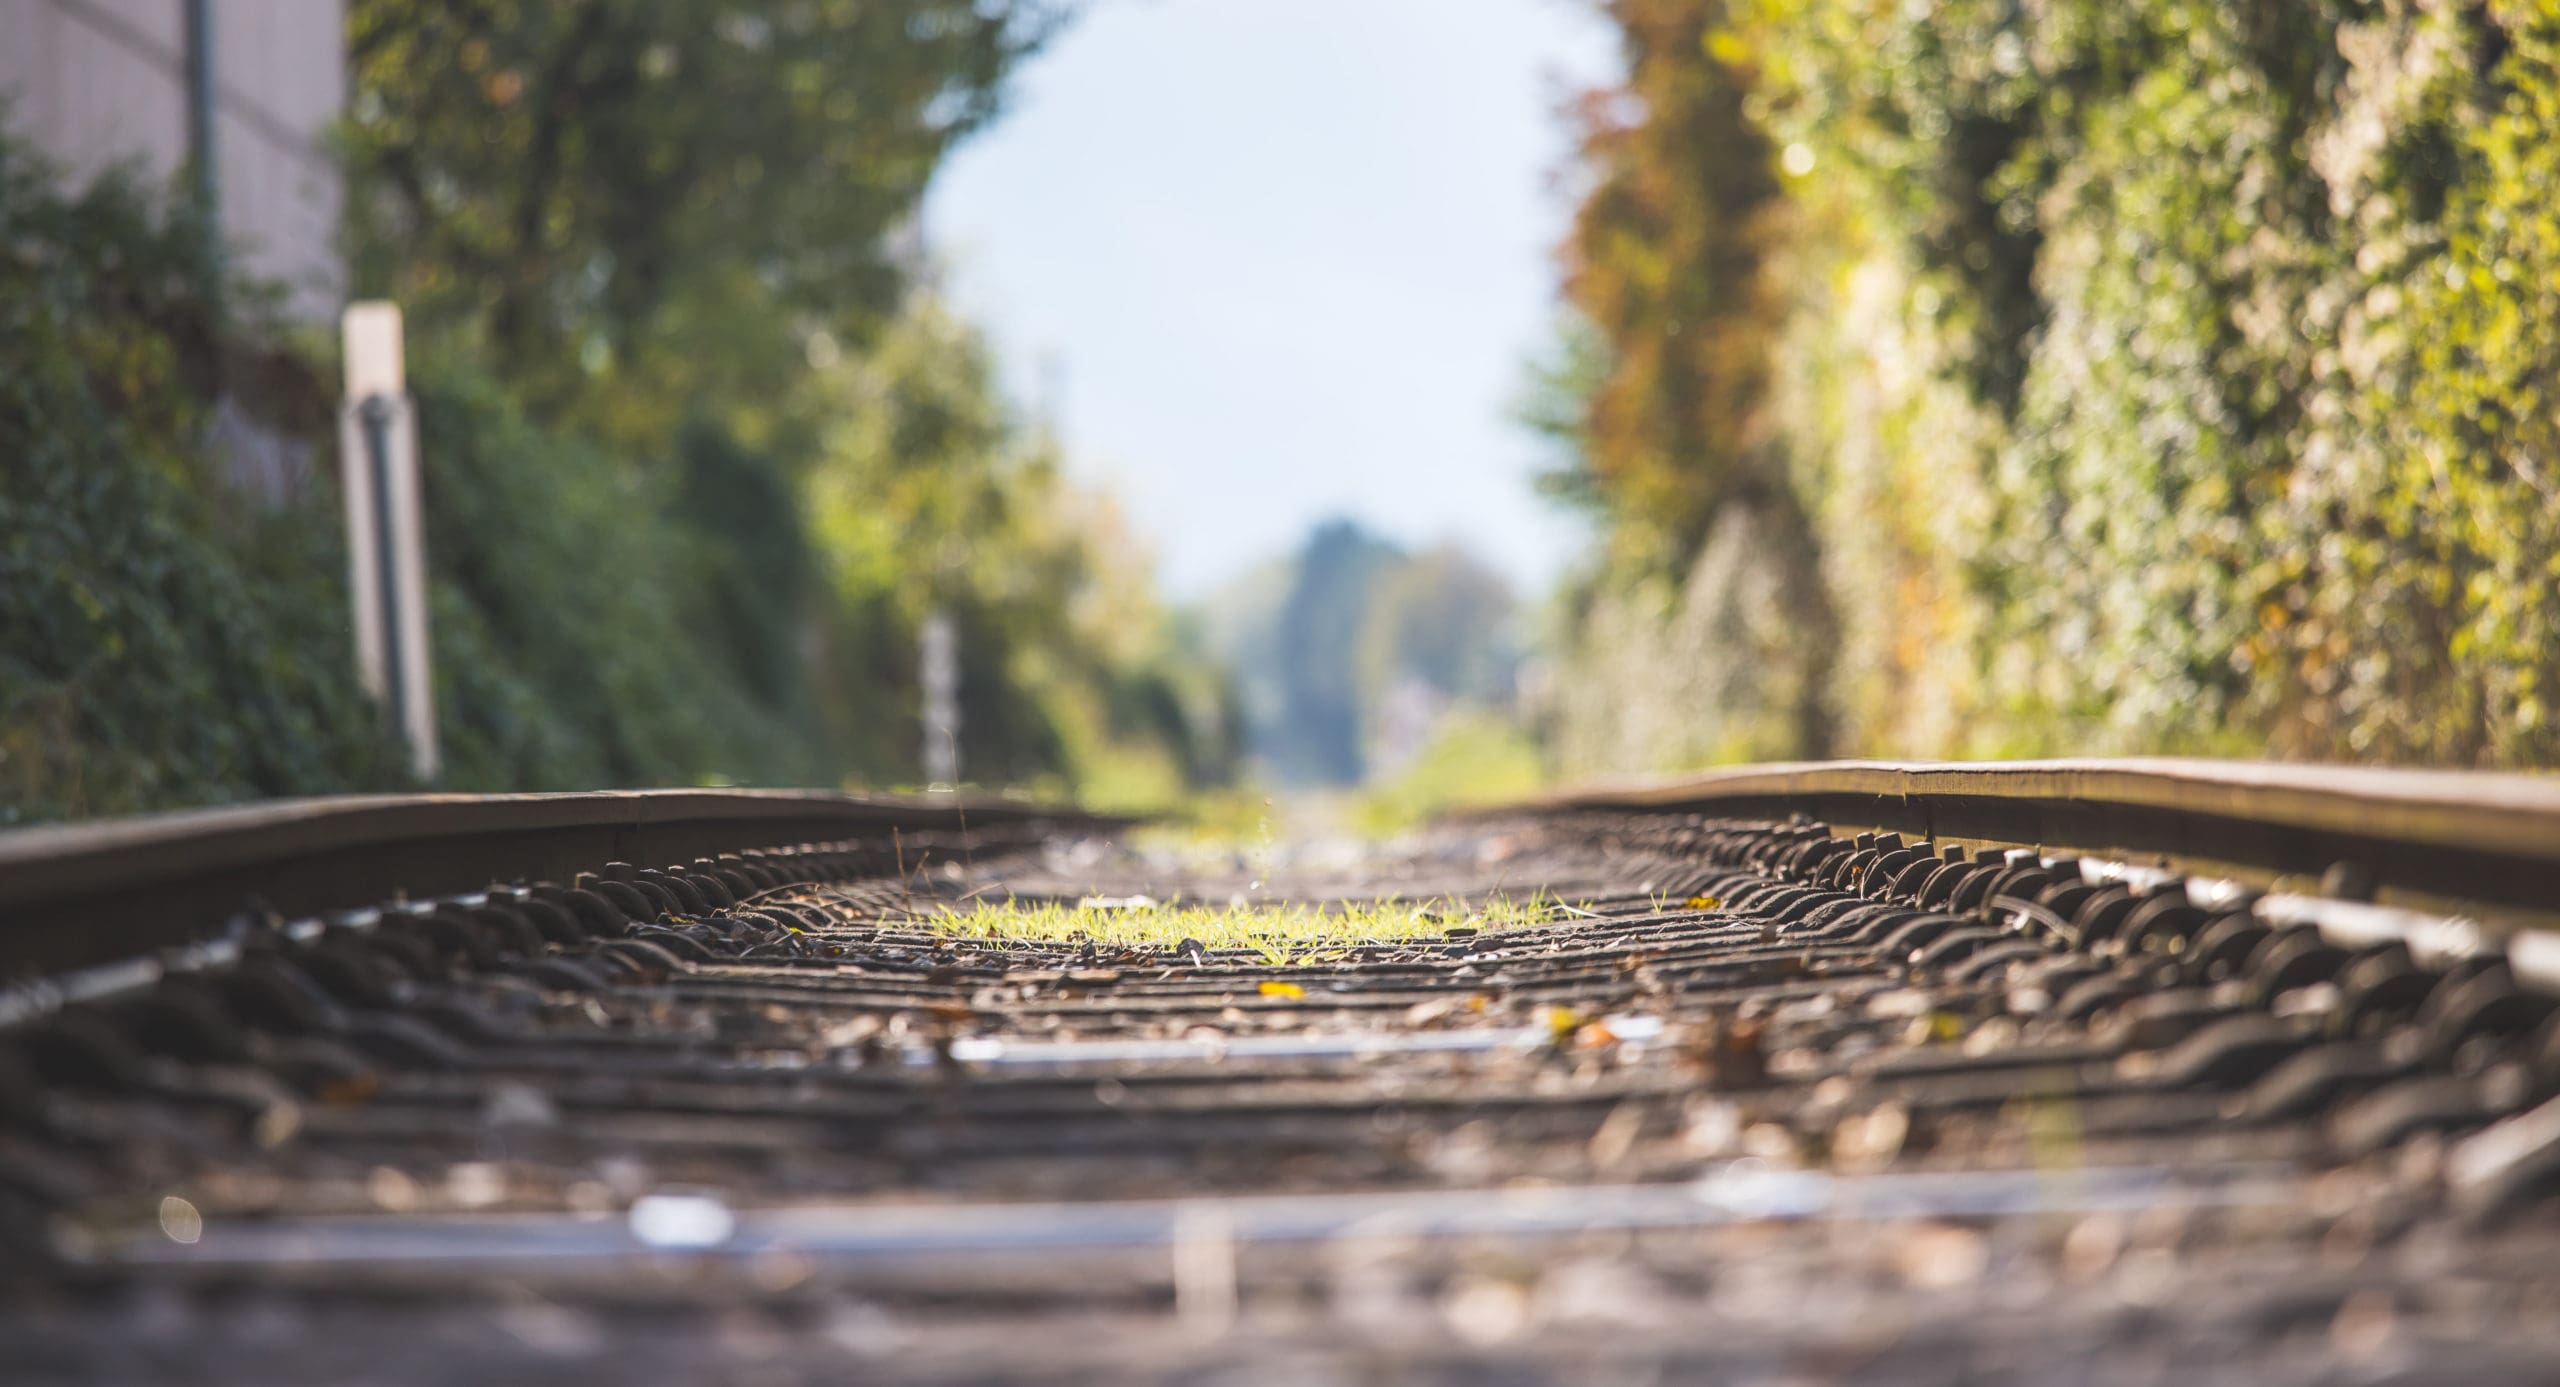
74, 895
2438, 837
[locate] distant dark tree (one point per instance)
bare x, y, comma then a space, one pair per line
1318, 737
1444, 619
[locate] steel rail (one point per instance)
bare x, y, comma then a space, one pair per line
2461, 837
77, 895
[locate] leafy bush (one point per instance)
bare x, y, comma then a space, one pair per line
571, 653
704, 458
677, 190
925, 495
164, 644
2163, 375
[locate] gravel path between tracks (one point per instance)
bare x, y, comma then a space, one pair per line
1749, 1109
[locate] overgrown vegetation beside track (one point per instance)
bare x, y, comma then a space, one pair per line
1976, 378
702, 451
163, 640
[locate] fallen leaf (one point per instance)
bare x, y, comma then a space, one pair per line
351, 1091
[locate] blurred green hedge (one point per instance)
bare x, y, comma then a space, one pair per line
160, 642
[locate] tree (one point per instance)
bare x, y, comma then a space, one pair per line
1442, 619
1666, 265
1318, 737
577, 183
1669, 272
928, 495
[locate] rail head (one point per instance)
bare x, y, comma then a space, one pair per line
2471, 838
72, 895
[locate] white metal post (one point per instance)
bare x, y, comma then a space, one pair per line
941, 700
386, 538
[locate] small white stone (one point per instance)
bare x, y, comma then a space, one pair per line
681, 1221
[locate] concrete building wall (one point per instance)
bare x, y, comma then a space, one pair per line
93, 83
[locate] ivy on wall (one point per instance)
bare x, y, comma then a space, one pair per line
2163, 375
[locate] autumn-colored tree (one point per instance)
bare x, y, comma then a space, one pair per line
1668, 270
1666, 264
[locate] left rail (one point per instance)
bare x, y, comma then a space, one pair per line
77, 895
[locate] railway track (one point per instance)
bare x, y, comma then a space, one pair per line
2083, 1071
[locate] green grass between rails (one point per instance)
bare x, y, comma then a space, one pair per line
1290, 933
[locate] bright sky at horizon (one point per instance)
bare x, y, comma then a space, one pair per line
1272, 261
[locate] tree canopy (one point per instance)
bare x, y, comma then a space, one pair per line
578, 181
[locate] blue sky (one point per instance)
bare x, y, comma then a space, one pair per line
1274, 260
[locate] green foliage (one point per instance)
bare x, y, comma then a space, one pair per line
736, 459
574, 649
698, 459
708, 458
727, 618
753, 573
1474, 758
926, 495
2168, 375
577, 184
1671, 344
161, 646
